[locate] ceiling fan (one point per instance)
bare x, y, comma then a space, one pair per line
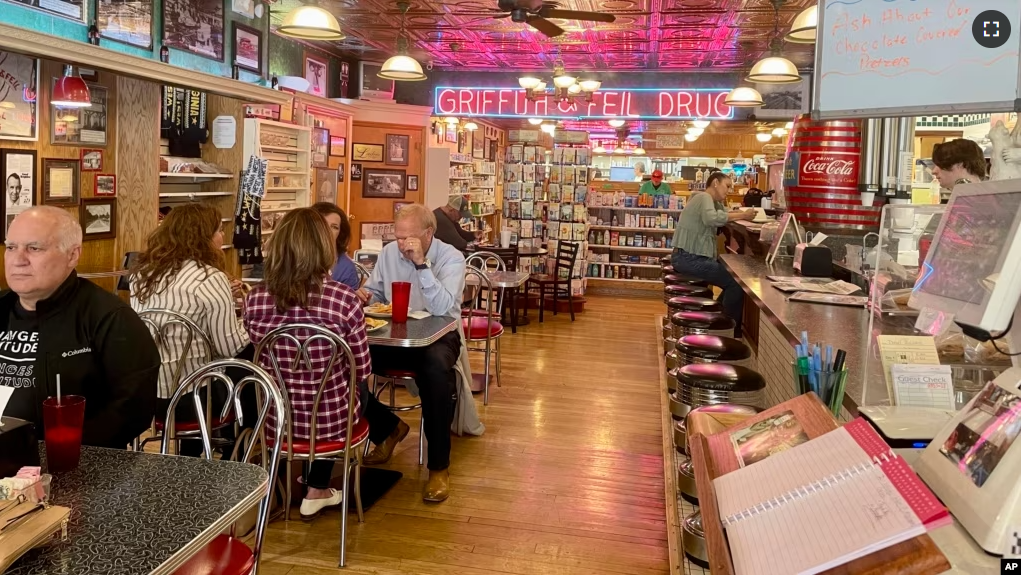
535, 14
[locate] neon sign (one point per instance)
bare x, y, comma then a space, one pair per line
634, 103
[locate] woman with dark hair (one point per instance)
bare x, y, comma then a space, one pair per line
958, 161
298, 289
343, 270
182, 271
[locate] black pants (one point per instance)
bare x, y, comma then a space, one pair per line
437, 385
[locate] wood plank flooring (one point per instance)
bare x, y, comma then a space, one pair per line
567, 479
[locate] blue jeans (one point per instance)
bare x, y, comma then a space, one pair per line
713, 272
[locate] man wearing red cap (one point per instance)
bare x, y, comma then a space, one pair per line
656, 186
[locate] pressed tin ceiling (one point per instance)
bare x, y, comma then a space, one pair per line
670, 35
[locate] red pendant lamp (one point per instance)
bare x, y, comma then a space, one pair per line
70, 91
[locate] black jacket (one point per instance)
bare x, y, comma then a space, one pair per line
102, 351
451, 232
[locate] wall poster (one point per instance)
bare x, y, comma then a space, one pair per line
19, 79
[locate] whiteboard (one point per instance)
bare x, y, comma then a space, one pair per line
877, 58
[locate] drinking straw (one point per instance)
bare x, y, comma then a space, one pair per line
58, 389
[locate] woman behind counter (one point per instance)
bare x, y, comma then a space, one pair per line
695, 251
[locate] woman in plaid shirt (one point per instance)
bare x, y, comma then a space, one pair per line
298, 289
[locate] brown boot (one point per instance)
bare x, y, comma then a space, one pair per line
382, 452
437, 489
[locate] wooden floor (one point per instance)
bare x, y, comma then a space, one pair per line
567, 479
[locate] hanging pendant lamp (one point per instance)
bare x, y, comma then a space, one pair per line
743, 97
70, 91
401, 66
774, 69
310, 23
803, 30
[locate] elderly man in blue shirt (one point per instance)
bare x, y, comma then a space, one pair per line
436, 272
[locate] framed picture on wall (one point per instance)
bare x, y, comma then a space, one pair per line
194, 26
397, 149
338, 146
320, 147
326, 185
340, 173
80, 126
478, 146
356, 172
399, 205
126, 21
18, 170
19, 89
491, 150
315, 69
380, 183
451, 134
106, 185
247, 48
367, 152
98, 217
72, 9
92, 160
412, 183
60, 182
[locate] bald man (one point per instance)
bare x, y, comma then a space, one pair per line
53, 322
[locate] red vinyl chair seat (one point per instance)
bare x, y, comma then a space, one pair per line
400, 374
224, 555
477, 327
193, 425
358, 433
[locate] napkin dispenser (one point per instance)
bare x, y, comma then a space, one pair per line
18, 446
812, 260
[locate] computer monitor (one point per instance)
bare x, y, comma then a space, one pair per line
973, 268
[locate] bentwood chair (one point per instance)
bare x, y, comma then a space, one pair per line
164, 325
302, 339
482, 323
227, 554
363, 274
557, 284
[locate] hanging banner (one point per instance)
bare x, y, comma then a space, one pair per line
636, 103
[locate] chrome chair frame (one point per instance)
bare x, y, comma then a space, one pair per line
337, 345
363, 274
485, 284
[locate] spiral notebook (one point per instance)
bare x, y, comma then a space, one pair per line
823, 503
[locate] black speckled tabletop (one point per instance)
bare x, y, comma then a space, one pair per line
132, 512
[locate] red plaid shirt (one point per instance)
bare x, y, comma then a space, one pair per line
337, 309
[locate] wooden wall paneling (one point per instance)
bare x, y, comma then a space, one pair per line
381, 209
231, 159
138, 118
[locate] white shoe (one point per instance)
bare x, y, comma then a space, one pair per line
311, 508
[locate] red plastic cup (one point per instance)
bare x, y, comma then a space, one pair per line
400, 298
63, 431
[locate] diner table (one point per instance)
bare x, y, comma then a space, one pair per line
140, 512
508, 280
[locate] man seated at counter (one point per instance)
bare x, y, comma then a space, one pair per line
436, 273
959, 161
54, 323
695, 251
655, 186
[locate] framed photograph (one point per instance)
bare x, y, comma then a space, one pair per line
490, 149
326, 185
340, 173
61, 182
478, 146
397, 149
92, 160
399, 205
320, 147
451, 134
367, 152
125, 21
98, 217
106, 185
413, 183
80, 126
247, 8
247, 48
194, 26
315, 69
356, 172
71, 9
338, 146
380, 183
19, 82
18, 170
784, 101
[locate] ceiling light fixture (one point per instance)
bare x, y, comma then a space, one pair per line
779, 132
618, 150
451, 120
690, 137
574, 89
696, 131
599, 150
529, 82
563, 80
774, 69
639, 151
310, 23
540, 87
789, 125
616, 123
590, 85
743, 97
535, 121
70, 91
703, 124
763, 136
400, 66
471, 126
803, 30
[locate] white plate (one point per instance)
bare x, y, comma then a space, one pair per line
368, 329
368, 312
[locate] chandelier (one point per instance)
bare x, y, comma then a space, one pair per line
564, 86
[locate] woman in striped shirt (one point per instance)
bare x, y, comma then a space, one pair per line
298, 289
182, 271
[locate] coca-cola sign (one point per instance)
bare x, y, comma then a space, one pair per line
826, 169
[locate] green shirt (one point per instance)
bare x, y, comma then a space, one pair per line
650, 188
696, 228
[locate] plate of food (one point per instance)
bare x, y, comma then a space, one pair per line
372, 324
379, 310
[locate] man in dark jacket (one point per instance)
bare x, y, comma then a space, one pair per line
448, 226
54, 323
